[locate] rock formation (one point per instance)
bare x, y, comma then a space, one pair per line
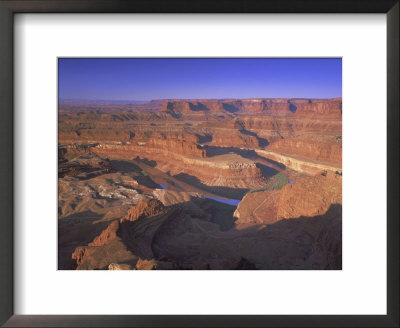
83, 166
323, 149
145, 208
308, 197
226, 184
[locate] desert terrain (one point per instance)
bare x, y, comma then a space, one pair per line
224, 184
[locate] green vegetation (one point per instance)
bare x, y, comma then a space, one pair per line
144, 173
296, 173
226, 192
278, 181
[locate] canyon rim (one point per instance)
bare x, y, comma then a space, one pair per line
199, 164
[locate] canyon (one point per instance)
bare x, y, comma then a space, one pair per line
224, 184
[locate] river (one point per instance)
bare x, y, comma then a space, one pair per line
233, 202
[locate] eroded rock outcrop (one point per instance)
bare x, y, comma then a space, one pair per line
118, 266
145, 208
113, 162
319, 148
272, 106
307, 197
228, 170
302, 165
128, 240
84, 166
105, 249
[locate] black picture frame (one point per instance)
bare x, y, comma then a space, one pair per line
10, 7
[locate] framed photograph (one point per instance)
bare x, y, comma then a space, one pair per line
205, 173
217, 164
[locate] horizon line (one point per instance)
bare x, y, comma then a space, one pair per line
187, 99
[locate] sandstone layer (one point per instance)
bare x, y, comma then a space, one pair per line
182, 238
308, 197
232, 184
302, 165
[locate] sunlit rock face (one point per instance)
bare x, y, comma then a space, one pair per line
308, 197
201, 184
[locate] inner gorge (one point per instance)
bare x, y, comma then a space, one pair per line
200, 184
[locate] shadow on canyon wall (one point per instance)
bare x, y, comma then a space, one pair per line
230, 108
292, 108
234, 193
76, 230
277, 164
266, 170
203, 139
125, 166
261, 141
198, 107
215, 151
304, 243
325, 231
129, 167
146, 161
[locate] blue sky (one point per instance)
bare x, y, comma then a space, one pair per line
201, 78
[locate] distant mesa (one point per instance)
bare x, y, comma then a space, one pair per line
178, 107
277, 107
